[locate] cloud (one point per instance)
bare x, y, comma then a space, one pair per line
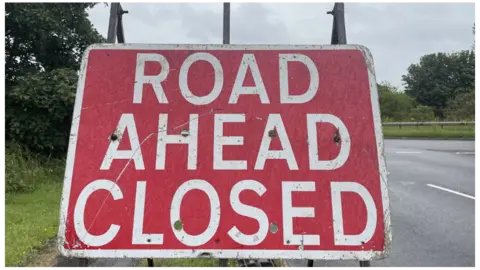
396, 34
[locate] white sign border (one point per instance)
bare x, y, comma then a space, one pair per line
365, 255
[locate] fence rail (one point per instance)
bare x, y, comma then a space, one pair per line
417, 124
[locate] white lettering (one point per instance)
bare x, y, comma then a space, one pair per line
182, 236
154, 80
285, 96
79, 222
352, 240
289, 212
275, 122
163, 139
248, 61
219, 141
315, 163
248, 211
127, 122
183, 78
139, 237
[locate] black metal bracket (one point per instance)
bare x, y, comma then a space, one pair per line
339, 34
150, 262
115, 24
364, 263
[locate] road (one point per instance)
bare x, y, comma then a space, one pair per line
432, 190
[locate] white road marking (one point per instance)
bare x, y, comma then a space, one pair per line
465, 153
452, 191
408, 152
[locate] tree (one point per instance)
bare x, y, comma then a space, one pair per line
440, 77
41, 110
45, 36
44, 43
394, 105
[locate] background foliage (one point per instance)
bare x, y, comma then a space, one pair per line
46, 36
439, 78
40, 109
44, 43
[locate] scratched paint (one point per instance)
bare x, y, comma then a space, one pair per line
247, 83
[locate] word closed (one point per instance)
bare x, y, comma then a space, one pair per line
226, 151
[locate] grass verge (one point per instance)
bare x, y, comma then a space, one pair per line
31, 206
449, 132
191, 262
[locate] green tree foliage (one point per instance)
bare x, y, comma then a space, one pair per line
44, 43
462, 107
40, 110
440, 77
394, 105
46, 36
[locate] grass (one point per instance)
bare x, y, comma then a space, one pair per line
24, 170
32, 204
31, 219
191, 262
448, 132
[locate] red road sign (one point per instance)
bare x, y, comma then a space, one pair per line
226, 150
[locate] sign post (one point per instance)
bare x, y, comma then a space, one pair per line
226, 40
226, 151
115, 24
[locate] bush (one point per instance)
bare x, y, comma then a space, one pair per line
422, 113
462, 107
25, 170
40, 110
394, 105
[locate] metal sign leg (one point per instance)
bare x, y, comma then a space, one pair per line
339, 34
226, 23
115, 24
223, 262
226, 40
150, 262
364, 263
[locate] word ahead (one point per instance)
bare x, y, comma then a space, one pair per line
226, 151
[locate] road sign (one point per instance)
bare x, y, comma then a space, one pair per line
230, 151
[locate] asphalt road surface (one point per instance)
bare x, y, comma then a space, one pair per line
432, 200
432, 190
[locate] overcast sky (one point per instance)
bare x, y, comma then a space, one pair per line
396, 34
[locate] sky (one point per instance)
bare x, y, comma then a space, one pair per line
397, 34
